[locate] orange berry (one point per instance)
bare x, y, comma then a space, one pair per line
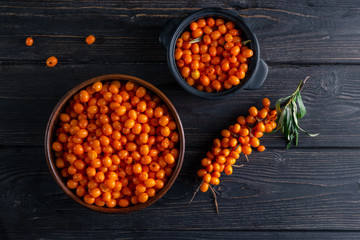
261, 148
246, 150
90, 39
266, 102
268, 128
204, 187
253, 111
51, 61
228, 170
29, 41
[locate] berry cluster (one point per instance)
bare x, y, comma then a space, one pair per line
238, 138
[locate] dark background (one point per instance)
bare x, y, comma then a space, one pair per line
308, 192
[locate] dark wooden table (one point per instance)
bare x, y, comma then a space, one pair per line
308, 192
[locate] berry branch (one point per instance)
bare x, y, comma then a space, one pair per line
244, 135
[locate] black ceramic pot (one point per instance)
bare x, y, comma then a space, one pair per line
257, 70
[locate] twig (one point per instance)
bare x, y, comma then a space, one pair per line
197, 190
247, 159
242, 165
303, 83
216, 204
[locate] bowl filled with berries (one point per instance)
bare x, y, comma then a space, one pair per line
115, 143
213, 53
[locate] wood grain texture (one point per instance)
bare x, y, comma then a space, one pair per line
278, 190
195, 235
297, 31
30, 91
309, 192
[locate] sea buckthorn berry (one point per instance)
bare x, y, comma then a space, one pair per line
72, 184
253, 111
261, 148
179, 43
273, 124
204, 187
90, 39
193, 26
57, 147
268, 128
185, 36
29, 41
263, 113
215, 181
247, 53
197, 33
266, 102
246, 150
143, 197
250, 119
260, 127
205, 162
88, 199
244, 132
201, 172
207, 178
228, 170
97, 86
169, 158
201, 23
51, 61
254, 142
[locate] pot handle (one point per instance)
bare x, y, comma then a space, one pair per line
259, 77
168, 31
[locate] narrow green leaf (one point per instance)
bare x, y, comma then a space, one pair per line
195, 40
294, 107
302, 107
245, 42
296, 136
281, 100
278, 109
281, 119
289, 124
309, 134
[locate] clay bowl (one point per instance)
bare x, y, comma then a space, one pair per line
53, 123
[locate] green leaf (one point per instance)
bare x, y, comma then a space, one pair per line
278, 109
245, 42
294, 107
290, 109
301, 105
288, 123
309, 134
283, 99
281, 119
195, 40
296, 136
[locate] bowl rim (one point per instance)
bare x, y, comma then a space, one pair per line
240, 22
53, 120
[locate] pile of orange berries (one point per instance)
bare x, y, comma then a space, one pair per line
238, 138
218, 61
116, 144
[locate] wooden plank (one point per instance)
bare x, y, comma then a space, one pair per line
30, 91
296, 32
278, 190
188, 235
